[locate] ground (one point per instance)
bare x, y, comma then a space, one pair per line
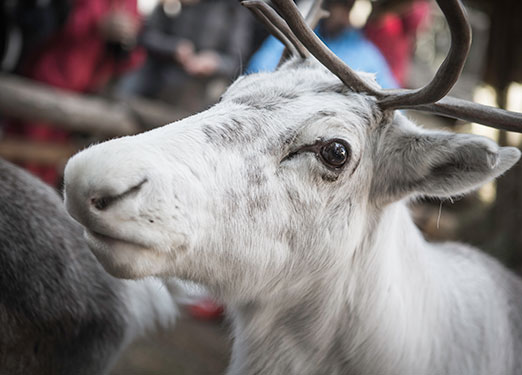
192, 347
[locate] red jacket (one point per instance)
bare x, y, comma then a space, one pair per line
394, 35
76, 58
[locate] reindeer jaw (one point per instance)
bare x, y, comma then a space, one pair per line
131, 259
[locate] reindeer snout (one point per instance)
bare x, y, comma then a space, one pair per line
102, 186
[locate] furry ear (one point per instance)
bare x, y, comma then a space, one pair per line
439, 164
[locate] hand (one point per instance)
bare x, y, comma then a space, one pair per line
184, 52
203, 64
119, 26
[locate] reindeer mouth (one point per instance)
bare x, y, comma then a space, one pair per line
96, 240
124, 258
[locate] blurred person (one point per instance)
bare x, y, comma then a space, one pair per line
393, 27
192, 46
25, 26
95, 43
348, 43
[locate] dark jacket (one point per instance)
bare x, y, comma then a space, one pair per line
221, 26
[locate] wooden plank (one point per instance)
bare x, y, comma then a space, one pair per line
24, 99
23, 151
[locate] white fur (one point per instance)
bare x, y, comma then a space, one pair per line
323, 271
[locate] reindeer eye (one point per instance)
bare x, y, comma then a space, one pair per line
335, 153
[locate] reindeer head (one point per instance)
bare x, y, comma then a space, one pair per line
278, 181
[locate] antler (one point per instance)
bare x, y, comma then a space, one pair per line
439, 86
474, 112
317, 48
315, 14
431, 97
277, 26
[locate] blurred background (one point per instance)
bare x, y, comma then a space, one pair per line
74, 72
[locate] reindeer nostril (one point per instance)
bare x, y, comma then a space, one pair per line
103, 203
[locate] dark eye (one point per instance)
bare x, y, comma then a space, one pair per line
335, 153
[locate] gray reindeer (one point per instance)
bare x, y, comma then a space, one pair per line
288, 200
60, 312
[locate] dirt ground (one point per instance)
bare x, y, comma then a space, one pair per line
192, 347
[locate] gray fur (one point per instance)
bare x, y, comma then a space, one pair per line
322, 269
60, 312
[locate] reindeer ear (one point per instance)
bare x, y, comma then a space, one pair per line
439, 164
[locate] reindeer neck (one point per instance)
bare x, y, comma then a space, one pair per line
328, 326
287, 336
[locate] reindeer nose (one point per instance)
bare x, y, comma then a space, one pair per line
101, 203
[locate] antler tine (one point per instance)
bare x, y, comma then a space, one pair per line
449, 71
316, 14
474, 112
276, 25
298, 25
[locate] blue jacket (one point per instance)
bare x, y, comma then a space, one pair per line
350, 46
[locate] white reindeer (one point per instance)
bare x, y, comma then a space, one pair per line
288, 200
60, 312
